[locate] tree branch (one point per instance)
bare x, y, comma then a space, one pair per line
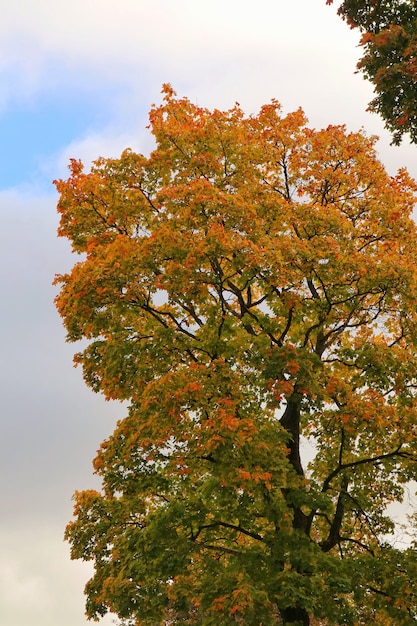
333, 537
374, 459
238, 528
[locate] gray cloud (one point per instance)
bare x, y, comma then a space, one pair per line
51, 424
38, 582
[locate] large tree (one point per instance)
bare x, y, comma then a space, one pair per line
250, 290
389, 61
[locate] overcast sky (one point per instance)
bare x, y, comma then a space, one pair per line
77, 79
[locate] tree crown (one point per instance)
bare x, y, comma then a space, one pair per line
248, 286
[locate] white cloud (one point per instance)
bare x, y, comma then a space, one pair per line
102, 30
220, 46
110, 143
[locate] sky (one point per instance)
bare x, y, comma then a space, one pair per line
77, 79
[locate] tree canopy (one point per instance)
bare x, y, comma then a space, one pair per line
250, 290
389, 61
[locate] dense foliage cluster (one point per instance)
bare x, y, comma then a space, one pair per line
389, 61
250, 290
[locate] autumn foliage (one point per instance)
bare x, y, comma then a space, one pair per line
250, 289
389, 61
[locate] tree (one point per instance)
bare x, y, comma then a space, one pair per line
389, 40
250, 290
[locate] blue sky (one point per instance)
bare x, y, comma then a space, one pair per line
36, 128
31, 132
77, 80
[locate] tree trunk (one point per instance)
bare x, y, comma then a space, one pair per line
295, 617
291, 422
